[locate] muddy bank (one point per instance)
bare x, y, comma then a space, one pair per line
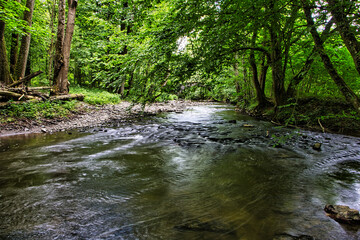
92, 116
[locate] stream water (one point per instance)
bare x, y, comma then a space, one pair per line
191, 175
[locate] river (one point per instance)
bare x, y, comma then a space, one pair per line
207, 173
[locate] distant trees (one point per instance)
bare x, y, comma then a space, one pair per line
10, 15
4, 65
21, 62
20, 20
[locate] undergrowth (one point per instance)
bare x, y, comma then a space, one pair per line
327, 114
37, 110
55, 109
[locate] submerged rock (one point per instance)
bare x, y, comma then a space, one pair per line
317, 146
290, 237
343, 214
211, 226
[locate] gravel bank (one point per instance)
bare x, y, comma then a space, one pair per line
91, 116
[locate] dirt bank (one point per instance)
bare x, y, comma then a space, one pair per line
91, 116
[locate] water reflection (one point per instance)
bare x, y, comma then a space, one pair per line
195, 175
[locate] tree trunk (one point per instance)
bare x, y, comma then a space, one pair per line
16, 96
70, 25
236, 73
295, 81
50, 59
25, 79
25, 43
347, 35
245, 77
63, 52
14, 52
59, 54
255, 78
4, 65
77, 73
276, 55
349, 95
263, 72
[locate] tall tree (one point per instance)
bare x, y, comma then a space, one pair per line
25, 42
349, 95
14, 52
4, 66
258, 81
63, 46
59, 53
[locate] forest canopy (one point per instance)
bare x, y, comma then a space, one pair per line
267, 52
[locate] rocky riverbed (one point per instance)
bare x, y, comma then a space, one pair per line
92, 116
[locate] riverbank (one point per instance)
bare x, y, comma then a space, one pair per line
314, 114
329, 116
86, 116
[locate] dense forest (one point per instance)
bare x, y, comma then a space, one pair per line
253, 53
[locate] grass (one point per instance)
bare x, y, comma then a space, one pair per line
96, 96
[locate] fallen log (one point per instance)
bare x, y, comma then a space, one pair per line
28, 89
25, 79
16, 96
43, 96
79, 97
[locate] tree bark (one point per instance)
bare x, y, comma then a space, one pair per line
79, 97
25, 42
260, 96
63, 52
347, 35
263, 72
349, 95
70, 25
59, 54
16, 96
236, 73
4, 65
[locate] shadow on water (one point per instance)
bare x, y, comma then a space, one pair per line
207, 173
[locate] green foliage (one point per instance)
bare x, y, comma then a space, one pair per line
11, 13
37, 110
96, 96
